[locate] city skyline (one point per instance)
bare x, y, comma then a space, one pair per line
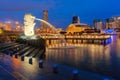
59, 39
60, 13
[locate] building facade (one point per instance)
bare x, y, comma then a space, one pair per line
76, 27
98, 24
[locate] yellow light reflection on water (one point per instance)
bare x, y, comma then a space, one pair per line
24, 66
80, 53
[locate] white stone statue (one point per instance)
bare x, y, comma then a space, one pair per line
29, 25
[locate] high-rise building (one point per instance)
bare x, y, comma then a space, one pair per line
7, 26
75, 19
98, 25
107, 23
111, 23
1, 24
94, 23
45, 17
118, 22
46, 27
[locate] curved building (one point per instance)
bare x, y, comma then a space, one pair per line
76, 27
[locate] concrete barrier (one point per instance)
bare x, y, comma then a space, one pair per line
75, 75
22, 58
41, 64
10, 54
30, 60
16, 55
55, 68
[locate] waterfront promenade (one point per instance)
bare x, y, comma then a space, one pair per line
5, 75
12, 68
75, 39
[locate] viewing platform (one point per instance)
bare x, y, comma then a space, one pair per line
23, 62
16, 69
89, 38
81, 37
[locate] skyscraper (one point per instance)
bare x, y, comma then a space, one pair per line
118, 22
98, 24
7, 26
45, 17
110, 23
75, 19
107, 23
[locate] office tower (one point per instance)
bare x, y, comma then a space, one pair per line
45, 17
7, 26
75, 19
118, 22
98, 25
95, 24
107, 23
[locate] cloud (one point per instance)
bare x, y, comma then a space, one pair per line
22, 5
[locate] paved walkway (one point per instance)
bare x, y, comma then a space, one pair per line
12, 68
5, 75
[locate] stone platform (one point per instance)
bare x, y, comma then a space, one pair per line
14, 68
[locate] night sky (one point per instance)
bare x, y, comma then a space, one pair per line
60, 11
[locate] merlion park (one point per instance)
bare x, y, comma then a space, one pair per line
59, 40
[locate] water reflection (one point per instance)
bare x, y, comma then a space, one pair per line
20, 68
91, 57
89, 53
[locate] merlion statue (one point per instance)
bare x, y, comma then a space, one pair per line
29, 25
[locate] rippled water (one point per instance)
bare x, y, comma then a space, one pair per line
98, 58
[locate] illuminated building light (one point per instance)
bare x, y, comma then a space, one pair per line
109, 31
1, 31
76, 27
16, 22
118, 17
